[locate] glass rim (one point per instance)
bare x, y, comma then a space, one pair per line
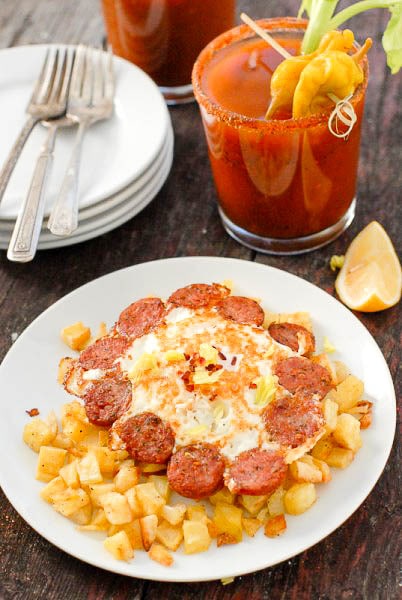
243, 32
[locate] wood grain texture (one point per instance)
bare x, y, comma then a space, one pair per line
360, 559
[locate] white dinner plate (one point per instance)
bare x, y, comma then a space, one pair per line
115, 152
116, 210
32, 362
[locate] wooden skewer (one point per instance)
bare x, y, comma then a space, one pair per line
265, 36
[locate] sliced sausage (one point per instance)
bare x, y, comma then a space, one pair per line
294, 336
198, 295
196, 471
107, 400
299, 374
241, 310
292, 420
102, 353
141, 316
147, 438
256, 472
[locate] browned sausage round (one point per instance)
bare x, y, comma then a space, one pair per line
198, 295
141, 316
147, 438
290, 334
107, 400
298, 374
256, 472
241, 310
292, 420
196, 471
102, 353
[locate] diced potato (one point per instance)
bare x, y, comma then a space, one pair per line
102, 330
347, 432
88, 470
347, 393
212, 529
324, 468
227, 518
76, 336
322, 449
133, 531
340, 458
103, 438
196, 537
299, 318
225, 538
149, 498
97, 490
250, 525
127, 476
275, 502
69, 501
253, 504
83, 515
107, 460
99, 522
341, 371
161, 484
148, 525
38, 433
330, 410
152, 468
74, 429
116, 507
366, 420
73, 410
54, 486
222, 496
70, 474
275, 526
301, 472
50, 461
134, 503
65, 365
197, 512
119, 545
160, 555
263, 514
62, 441
299, 498
169, 536
174, 514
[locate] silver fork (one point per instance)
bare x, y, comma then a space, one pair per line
42, 105
25, 236
90, 100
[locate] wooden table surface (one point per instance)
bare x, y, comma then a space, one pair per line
360, 559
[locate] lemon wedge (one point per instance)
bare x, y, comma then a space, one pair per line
370, 278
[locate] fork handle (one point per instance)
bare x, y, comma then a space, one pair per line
25, 236
63, 218
14, 154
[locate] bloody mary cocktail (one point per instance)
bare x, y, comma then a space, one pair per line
164, 37
284, 185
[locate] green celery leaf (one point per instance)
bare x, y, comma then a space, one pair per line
392, 39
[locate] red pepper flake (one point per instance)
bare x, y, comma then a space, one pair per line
210, 367
186, 356
190, 387
221, 355
233, 361
202, 360
252, 385
33, 412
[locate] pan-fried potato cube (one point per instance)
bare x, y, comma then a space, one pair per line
88, 470
149, 498
347, 432
50, 461
76, 336
253, 504
330, 410
160, 555
119, 545
340, 458
97, 490
38, 433
250, 525
116, 507
324, 468
99, 522
322, 449
341, 371
366, 420
83, 515
70, 474
212, 529
275, 502
225, 538
73, 410
134, 503
133, 531
148, 526
70, 501
263, 514
127, 476
197, 512
107, 460
161, 484
171, 537
347, 393
304, 472
227, 518
74, 429
62, 441
222, 496
174, 514
275, 526
152, 468
299, 498
196, 537
54, 486
103, 438
299, 318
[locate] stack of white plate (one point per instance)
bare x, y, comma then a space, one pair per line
125, 159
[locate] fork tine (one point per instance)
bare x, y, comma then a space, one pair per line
98, 87
47, 84
78, 71
41, 77
88, 85
109, 75
70, 57
59, 77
